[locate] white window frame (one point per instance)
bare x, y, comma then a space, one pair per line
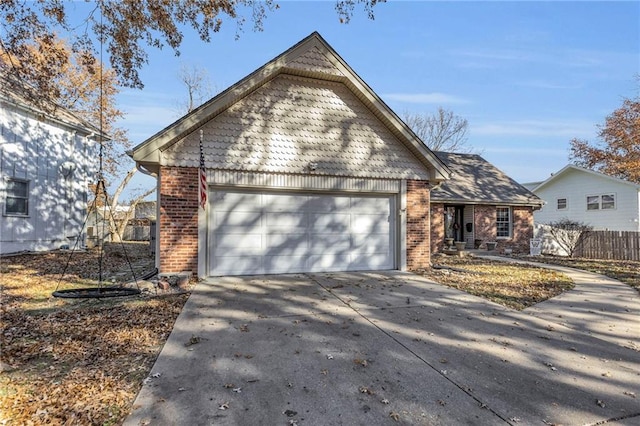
509, 222
597, 202
610, 205
566, 203
11, 195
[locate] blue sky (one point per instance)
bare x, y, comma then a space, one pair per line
528, 76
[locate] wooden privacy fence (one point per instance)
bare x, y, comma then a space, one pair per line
617, 245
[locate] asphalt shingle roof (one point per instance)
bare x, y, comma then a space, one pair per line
476, 181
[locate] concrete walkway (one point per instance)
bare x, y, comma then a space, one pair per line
394, 348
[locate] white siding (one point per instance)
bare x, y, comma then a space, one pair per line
293, 122
574, 186
36, 151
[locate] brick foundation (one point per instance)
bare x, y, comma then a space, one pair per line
418, 228
178, 219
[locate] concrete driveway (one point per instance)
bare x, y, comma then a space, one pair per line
394, 348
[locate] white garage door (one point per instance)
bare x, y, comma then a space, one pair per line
271, 233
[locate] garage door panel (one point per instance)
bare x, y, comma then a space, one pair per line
329, 244
285, 264
241, 243
370, 204
284, 202
262, 232
325, 204
370, 261
237, 218
329, 223
235, 201
239, 265
371, 243
287, 239
329, 262
368, 223
287, 220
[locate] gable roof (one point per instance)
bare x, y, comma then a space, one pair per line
299, 61
572, 167
476, 181
16, 93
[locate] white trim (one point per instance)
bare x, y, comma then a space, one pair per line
225, 178
401, 241
203, 238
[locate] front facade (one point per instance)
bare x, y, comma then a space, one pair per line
481, 206
307, 171
45, 168
582, 195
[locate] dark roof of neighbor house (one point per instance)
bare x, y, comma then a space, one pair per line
476, 181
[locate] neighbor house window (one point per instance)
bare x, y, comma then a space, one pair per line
604, 202
503, 222
17, 202
562, 203
608, 201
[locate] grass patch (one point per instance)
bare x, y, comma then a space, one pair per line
515, 286
76, 361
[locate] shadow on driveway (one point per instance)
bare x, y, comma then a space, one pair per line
392, 348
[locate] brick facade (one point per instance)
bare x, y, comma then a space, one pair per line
522, 229
178, 219
418, 225
484, 225
437, 227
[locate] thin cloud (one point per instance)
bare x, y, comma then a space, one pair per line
425, 98
545, 128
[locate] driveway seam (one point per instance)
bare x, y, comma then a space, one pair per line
481, 403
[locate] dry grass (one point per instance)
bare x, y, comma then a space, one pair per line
511, 285
82, 361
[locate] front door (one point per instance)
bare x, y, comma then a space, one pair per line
453, 218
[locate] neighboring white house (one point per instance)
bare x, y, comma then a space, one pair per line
47, 161
579, 194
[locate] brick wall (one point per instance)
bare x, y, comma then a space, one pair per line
418, 229
485, 224
437, 227
178, 219
522, 229
485, 227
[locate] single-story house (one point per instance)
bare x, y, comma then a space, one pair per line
307, 170
480, 204
47, 161
583, 195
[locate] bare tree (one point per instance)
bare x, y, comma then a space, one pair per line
442, 131
569, 234
116, 228
199, 87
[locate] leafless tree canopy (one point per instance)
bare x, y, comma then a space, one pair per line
442, 131
569, 234
199, 88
